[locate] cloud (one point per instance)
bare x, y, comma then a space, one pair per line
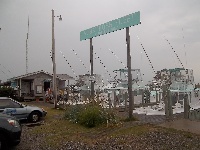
158, 18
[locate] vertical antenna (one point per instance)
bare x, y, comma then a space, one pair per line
27, 48
184, 48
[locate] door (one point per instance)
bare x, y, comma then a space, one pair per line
46, 86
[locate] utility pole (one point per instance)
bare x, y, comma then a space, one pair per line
130, 93
92, 71
54, 61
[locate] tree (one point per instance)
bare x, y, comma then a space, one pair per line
7, 92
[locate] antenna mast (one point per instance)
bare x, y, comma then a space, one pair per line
27, 48
184, 48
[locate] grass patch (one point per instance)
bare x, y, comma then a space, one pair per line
175, 131
90, 115
57, 130
132, 130
130, 119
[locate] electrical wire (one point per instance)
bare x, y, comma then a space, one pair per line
100, 61
118, 58
80, 60
69, 64
147, 55
174, 51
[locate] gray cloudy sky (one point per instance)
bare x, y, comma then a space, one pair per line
159, 19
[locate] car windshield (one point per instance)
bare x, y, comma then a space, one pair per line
19, 103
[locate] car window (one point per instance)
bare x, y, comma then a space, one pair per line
14, 104
4, 104
7, 103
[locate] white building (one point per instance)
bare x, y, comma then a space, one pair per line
86, 81
181, 79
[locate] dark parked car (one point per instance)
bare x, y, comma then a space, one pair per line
21, 111
10, 131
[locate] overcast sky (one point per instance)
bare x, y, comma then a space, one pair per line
176, 20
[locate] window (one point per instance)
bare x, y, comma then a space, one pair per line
4, 103
39, 89
7, 103
14, 104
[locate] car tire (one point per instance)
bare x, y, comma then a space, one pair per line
34, 117
3, 143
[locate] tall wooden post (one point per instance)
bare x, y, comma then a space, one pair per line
109, 100
129, 74
165, 98
156, 96
186, 107
170, 103
178, 95
125, 97
167, 103
115, 97
54, 63
91, 69
20, 87
142, 97
159, 96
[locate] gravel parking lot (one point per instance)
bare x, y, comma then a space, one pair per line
155, 139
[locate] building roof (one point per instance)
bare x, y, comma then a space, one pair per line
64, 77
176, 69
173, 70
59, 76
126, 70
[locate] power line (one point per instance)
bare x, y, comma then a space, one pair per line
118, 58
6, 69
174, 51
85, 66
4, 73
81, 61
147, 56
69, 65
100, 61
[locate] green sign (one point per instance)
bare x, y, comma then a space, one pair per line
111, 26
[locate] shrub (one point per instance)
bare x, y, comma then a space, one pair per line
72, 113
92, 116
89, 115
6, 92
